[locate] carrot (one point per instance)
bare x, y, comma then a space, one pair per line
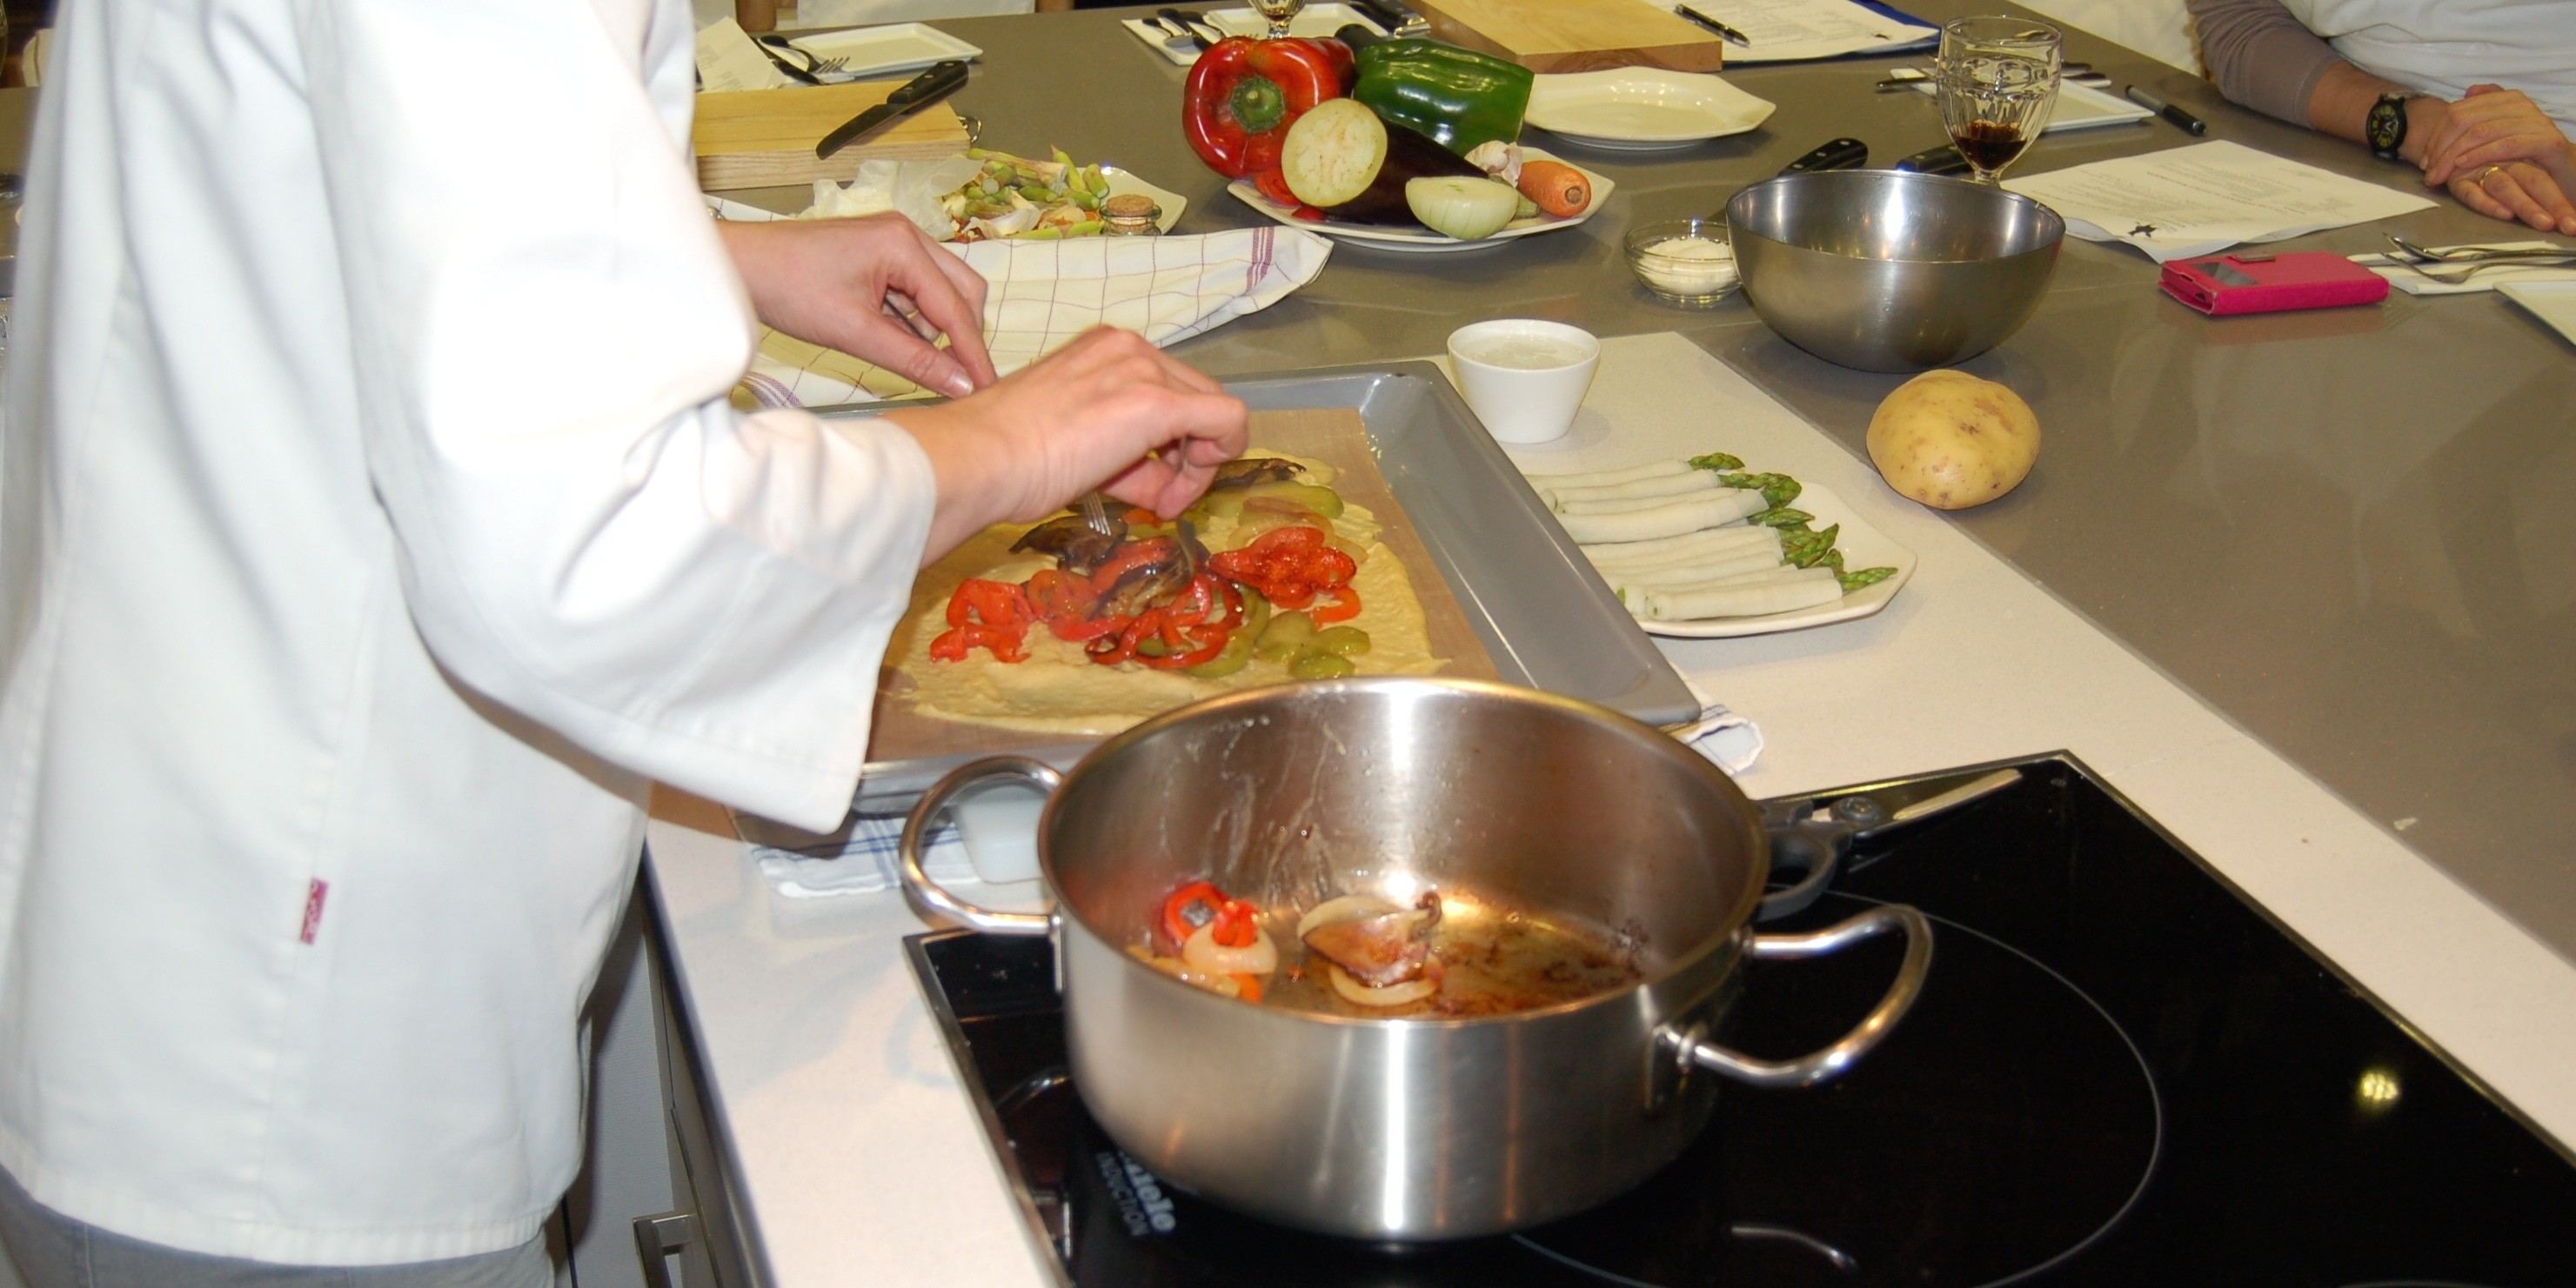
1559, 189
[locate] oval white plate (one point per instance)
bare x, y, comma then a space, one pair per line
1863, 547
1642, 108
1423, 240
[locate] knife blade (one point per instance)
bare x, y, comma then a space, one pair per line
942, 80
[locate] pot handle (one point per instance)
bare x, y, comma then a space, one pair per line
928, 897
1833, 1061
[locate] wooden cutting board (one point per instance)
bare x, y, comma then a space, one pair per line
764, 138
1575, 35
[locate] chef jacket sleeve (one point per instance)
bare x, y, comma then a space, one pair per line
546, 328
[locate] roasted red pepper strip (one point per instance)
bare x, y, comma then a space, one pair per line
1177, 907
1345, 605
1243, 94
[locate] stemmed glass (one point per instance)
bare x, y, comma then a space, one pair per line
1279, 13
1996, 80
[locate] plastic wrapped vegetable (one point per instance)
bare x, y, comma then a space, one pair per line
1459, 98
1243, 95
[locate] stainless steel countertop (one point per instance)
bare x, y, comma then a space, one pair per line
2353, 533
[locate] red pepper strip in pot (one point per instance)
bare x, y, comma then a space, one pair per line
1243, 94
1190, 907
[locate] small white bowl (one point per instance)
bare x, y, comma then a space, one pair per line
1524, 377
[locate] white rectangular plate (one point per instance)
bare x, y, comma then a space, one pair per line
878, 52
2554, 303
1863, 547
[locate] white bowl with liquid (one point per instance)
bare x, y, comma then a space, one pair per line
1524, 378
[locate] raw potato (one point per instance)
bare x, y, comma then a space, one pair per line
1951, 440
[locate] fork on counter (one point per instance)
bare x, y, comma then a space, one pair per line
811, 71
2479, 254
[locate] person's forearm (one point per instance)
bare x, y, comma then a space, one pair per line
2341, 102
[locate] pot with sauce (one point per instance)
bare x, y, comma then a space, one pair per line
1576, 888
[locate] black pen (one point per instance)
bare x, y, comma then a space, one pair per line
1729, 34
2188, 123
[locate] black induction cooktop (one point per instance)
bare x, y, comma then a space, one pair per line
2118, 1073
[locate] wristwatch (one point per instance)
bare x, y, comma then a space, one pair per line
2385, 127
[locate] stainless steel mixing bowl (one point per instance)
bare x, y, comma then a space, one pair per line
1415, 1128
1887, 270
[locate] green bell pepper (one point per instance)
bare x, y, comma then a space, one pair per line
1458, 97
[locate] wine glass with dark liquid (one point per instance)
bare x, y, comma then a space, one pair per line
1278, 13
1996, 81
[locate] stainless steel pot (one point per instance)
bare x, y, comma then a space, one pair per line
1407, 1129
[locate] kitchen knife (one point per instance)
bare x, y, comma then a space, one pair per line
1395, 16
1838, 154
1938, 159
942, 80
1191, 22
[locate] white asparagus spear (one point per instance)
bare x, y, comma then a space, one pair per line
1688, 568
1671, 581
1705, 541
1608, 478
1637, 504
1664, 518
1611, 501
1812, 587
1665, 485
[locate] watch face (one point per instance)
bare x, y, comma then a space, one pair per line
2386, 125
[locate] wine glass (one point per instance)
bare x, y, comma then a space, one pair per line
1279, 13
1996, 80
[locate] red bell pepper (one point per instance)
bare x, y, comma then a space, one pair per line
1243, 94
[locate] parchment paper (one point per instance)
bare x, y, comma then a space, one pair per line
1332, 435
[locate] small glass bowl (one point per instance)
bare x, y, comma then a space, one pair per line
1693, 279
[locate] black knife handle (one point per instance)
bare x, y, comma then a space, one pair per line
1839, 154
1940, 158
940, 79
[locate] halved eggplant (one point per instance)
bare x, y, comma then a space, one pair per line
1345, 161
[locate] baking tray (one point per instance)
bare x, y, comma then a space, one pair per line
1546, 619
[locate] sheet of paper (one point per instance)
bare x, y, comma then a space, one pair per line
1791, 30
2079, 107
727, 60
2207, 197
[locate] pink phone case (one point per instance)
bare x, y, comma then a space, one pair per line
2253, 282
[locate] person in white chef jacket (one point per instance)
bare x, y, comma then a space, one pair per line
373, 529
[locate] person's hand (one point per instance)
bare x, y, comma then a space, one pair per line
1108, 410
2481, 137
874, 287
2517, 190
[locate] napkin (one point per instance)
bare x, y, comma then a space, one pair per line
2414, 283
860, 858
1044, 293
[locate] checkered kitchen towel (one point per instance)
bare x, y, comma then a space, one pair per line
1044, 293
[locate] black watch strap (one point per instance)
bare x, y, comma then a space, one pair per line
2385, 127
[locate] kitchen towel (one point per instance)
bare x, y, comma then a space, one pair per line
2414, 283
1044, 293
860, 858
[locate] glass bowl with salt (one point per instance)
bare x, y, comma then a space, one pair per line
1687, 262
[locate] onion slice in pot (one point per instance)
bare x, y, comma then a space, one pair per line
1202, 952
1403, 994
1349, 907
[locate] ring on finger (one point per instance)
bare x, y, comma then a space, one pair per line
2486, 174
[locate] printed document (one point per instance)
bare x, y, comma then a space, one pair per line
1795, 30
2202, 199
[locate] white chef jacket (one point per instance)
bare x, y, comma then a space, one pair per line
374, 526
2445, 47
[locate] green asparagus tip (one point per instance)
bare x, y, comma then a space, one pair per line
1865, 577
1717, 461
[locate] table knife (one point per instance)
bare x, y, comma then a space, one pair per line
1191, 22
942, 80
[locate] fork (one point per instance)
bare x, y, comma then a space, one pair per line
2463, 271
2480, 254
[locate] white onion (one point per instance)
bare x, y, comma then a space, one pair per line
1467, 209
1202, 952
1349, 907
1391, 995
